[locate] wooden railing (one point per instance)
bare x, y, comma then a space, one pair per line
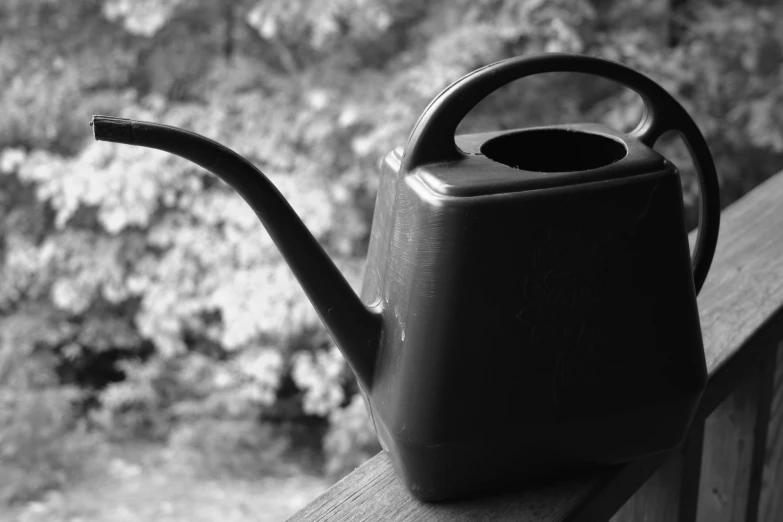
731, 466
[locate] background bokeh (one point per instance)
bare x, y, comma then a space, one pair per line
157, 358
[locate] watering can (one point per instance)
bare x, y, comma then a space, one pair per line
529, 299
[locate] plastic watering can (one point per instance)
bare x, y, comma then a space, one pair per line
529, 300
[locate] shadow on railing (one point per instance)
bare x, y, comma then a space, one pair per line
730, 468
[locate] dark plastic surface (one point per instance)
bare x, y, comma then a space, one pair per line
519, 319
536, 320
432, 139
531, 333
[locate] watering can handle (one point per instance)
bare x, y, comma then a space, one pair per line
432, 139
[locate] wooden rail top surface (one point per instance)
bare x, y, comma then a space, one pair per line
741, 308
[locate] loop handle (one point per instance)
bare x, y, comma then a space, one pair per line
432, 139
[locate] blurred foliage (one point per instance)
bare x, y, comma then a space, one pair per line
213, 448
43, 441
151, 291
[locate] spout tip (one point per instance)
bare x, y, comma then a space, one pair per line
109, 128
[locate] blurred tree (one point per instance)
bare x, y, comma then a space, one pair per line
145, 259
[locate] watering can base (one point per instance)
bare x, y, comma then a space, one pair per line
524, 458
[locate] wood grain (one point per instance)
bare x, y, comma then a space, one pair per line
691, 481
771, 503
658, 499
672, 490
373, 492
764, 405
728, 454
741, 309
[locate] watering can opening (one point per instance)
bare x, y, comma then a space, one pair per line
554, 150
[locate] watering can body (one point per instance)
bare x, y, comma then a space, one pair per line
530, 330
529, 299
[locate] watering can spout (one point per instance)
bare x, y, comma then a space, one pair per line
355, 328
